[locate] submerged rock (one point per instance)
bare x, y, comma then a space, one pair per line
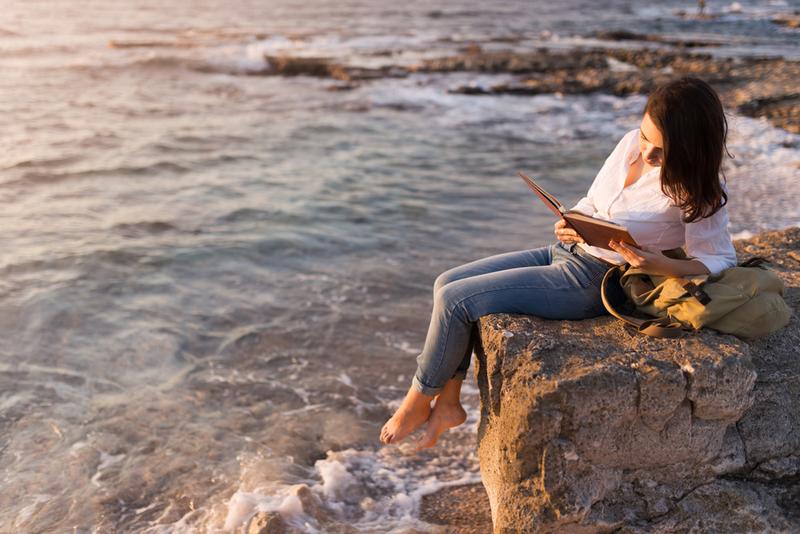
588, 427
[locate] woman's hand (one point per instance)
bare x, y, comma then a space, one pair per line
657, 263
652, 262
565, 234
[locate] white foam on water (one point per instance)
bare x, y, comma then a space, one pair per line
743, 234
345, 379
765, 170
546, 118
106, 461
364, 50
243, 505
376, 489
27, 511
406, 347
335, 479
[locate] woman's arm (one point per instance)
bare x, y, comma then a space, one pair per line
708, 243
657, 263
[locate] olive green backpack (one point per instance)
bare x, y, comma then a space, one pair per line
746, 300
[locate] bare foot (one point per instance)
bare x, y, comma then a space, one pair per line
414, 411
444, 415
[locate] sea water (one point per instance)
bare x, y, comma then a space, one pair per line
215, 282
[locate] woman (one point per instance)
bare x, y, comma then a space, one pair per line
661, 181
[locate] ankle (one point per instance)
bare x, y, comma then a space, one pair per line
450, 404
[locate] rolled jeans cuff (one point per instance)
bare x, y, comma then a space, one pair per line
424, 389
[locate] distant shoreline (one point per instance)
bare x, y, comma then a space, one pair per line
753, 86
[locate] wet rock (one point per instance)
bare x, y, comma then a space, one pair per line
791, 21
314, 507
780, 109
755, 86
266, 523
325, 68
625, 35
305, 66
513, 62
588, 427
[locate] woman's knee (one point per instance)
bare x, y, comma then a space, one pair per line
450, 275
449, 293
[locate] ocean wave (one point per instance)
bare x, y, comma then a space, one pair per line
143, 228
41, 162
38, 177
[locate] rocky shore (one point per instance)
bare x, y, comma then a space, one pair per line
587, 427
621, 63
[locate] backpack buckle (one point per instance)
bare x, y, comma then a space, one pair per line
697, 292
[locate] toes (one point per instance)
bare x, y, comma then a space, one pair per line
385, 434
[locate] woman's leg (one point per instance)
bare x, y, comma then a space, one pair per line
566, 289
498, 262
416, 406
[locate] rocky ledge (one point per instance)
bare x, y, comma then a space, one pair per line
587, 427
620, 63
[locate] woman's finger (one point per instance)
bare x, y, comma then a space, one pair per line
572, 234
627, 254
632, 252
618, 249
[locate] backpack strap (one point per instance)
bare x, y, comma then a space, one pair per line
662, 327
755, 261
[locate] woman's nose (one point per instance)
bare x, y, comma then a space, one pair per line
649, 154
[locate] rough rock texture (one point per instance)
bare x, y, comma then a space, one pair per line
459, 509
588, 427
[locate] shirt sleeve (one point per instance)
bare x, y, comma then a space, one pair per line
708, 241
586, 204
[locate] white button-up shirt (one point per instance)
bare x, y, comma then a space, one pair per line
650, 216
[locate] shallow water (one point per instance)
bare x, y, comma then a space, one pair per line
214, 283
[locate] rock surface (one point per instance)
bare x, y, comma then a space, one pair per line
587, 427
459, 509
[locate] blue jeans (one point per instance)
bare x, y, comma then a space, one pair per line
555, 281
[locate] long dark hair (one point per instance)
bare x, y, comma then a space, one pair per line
689, 115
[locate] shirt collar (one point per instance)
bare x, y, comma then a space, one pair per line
633, 155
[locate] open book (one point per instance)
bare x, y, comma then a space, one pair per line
596, 232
